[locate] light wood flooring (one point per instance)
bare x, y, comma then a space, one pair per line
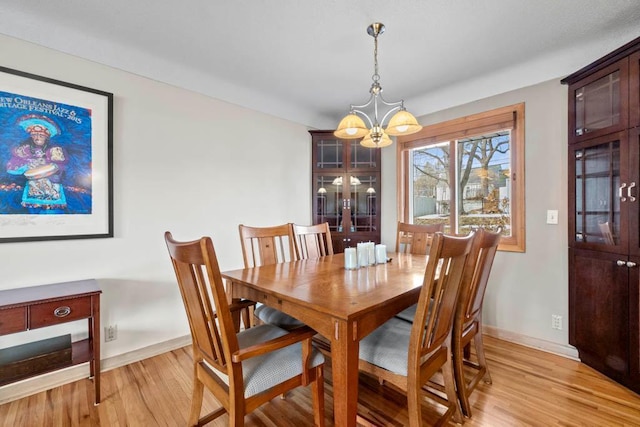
530, 388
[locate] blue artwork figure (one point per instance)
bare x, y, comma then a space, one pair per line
41, 163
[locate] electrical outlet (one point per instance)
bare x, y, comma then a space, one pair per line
110, 333
556, 321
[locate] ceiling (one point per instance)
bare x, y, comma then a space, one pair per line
307, 60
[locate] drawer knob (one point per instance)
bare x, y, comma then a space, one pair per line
62, 311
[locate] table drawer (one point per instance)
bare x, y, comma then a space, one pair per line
13, 320
55, 312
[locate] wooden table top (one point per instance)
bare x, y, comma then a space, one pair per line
324, 284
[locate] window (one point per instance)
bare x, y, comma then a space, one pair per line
466, 173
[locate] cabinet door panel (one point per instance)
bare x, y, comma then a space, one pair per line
634, 324
633, 192
328, 152
362, 158
364, 203
634, 90
328, 200
599, 103
598, 214
599, 310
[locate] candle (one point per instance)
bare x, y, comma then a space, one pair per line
350, 259
372, 253
381, 254
363, 255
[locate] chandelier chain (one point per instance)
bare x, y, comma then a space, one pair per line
376, 76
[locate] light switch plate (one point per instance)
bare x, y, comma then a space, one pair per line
552, 217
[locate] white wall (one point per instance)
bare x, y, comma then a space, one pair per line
525, 289
182, 162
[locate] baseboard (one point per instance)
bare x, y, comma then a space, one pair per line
50, 380
527, 341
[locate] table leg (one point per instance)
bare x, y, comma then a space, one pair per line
235, 314
344, 366
94, 330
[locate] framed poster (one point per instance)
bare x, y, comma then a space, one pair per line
55, 159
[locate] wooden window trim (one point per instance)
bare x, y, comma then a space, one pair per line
511, 117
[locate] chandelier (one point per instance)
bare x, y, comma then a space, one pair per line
401, 123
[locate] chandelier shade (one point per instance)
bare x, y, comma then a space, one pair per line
352, 126
403, 123
385, 141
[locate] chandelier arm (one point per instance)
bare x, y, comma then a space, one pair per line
366, 104
363, 114
391, 104
393, 110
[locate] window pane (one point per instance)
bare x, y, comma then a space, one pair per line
430, 183
484, 187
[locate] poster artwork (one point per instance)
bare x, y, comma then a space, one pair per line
45, 157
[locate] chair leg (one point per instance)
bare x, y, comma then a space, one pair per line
482, 361
317, 393
461, 382
450, 389
414, 405
196, 401
236, 415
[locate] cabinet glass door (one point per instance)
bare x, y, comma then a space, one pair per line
632, 193
598, 104
362, 157
364, 204
597, 195
328, 201
329, 153
634, 90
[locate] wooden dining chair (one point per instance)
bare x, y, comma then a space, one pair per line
407, 354
467, 324
264, 246
243, 370
312, 241
416, 238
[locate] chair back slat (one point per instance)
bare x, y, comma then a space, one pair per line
433, 320
483, 252
266, 245
312, 241
205, 301
416, 238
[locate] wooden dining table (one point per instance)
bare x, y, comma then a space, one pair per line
342, 305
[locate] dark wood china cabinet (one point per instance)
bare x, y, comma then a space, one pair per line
345, 189
604, 213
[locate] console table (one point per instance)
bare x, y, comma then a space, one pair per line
35, 307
